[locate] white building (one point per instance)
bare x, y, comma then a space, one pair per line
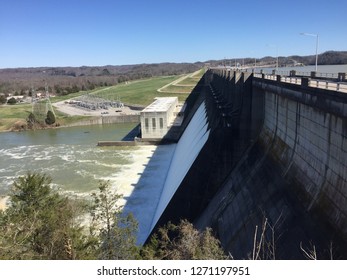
158, 117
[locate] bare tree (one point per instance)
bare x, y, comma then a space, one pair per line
264, 242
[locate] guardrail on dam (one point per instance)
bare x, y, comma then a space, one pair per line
273, 169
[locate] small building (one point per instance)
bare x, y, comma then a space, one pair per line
158, 117
19, 98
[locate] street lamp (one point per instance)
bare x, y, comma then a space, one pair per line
255, 59
275, 46
313, 35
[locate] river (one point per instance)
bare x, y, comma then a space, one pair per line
76, 165
68, 155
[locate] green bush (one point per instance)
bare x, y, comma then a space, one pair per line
41, 224
2, 99
12, 101
50, 119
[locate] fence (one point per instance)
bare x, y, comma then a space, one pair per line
312, 82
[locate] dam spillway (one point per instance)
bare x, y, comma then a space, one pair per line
274, 163
187, 149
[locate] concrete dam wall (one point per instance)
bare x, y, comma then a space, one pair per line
110, 120
272, 171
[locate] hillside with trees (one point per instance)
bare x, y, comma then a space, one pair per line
66, 80
326, 58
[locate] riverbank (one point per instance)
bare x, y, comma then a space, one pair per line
68, 113
14, 117
74, 120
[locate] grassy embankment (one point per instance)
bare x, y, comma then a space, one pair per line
184, 87
141, 92
12, 114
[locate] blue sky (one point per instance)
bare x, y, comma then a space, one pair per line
117, 32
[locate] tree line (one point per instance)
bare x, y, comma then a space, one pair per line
66, 80
326, 58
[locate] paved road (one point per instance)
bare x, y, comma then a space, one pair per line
175, 82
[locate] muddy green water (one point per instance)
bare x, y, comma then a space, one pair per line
69, 155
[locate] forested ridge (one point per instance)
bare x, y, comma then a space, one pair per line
65, 80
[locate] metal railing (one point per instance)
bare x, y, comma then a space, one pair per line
323, 84
298, 73
328, 85
291, 80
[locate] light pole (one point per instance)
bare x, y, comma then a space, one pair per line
255, 59
313, 35
275, 46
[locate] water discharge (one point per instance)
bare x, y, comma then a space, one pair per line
76, 165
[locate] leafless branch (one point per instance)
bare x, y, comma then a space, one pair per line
310, 254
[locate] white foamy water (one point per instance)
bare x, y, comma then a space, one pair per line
76, 166
141, 183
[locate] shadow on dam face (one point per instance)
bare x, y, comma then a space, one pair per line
247, 174
255, 196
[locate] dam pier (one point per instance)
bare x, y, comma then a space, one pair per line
263, 158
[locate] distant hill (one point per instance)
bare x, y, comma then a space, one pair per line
330, 57
65, 80
326, 58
